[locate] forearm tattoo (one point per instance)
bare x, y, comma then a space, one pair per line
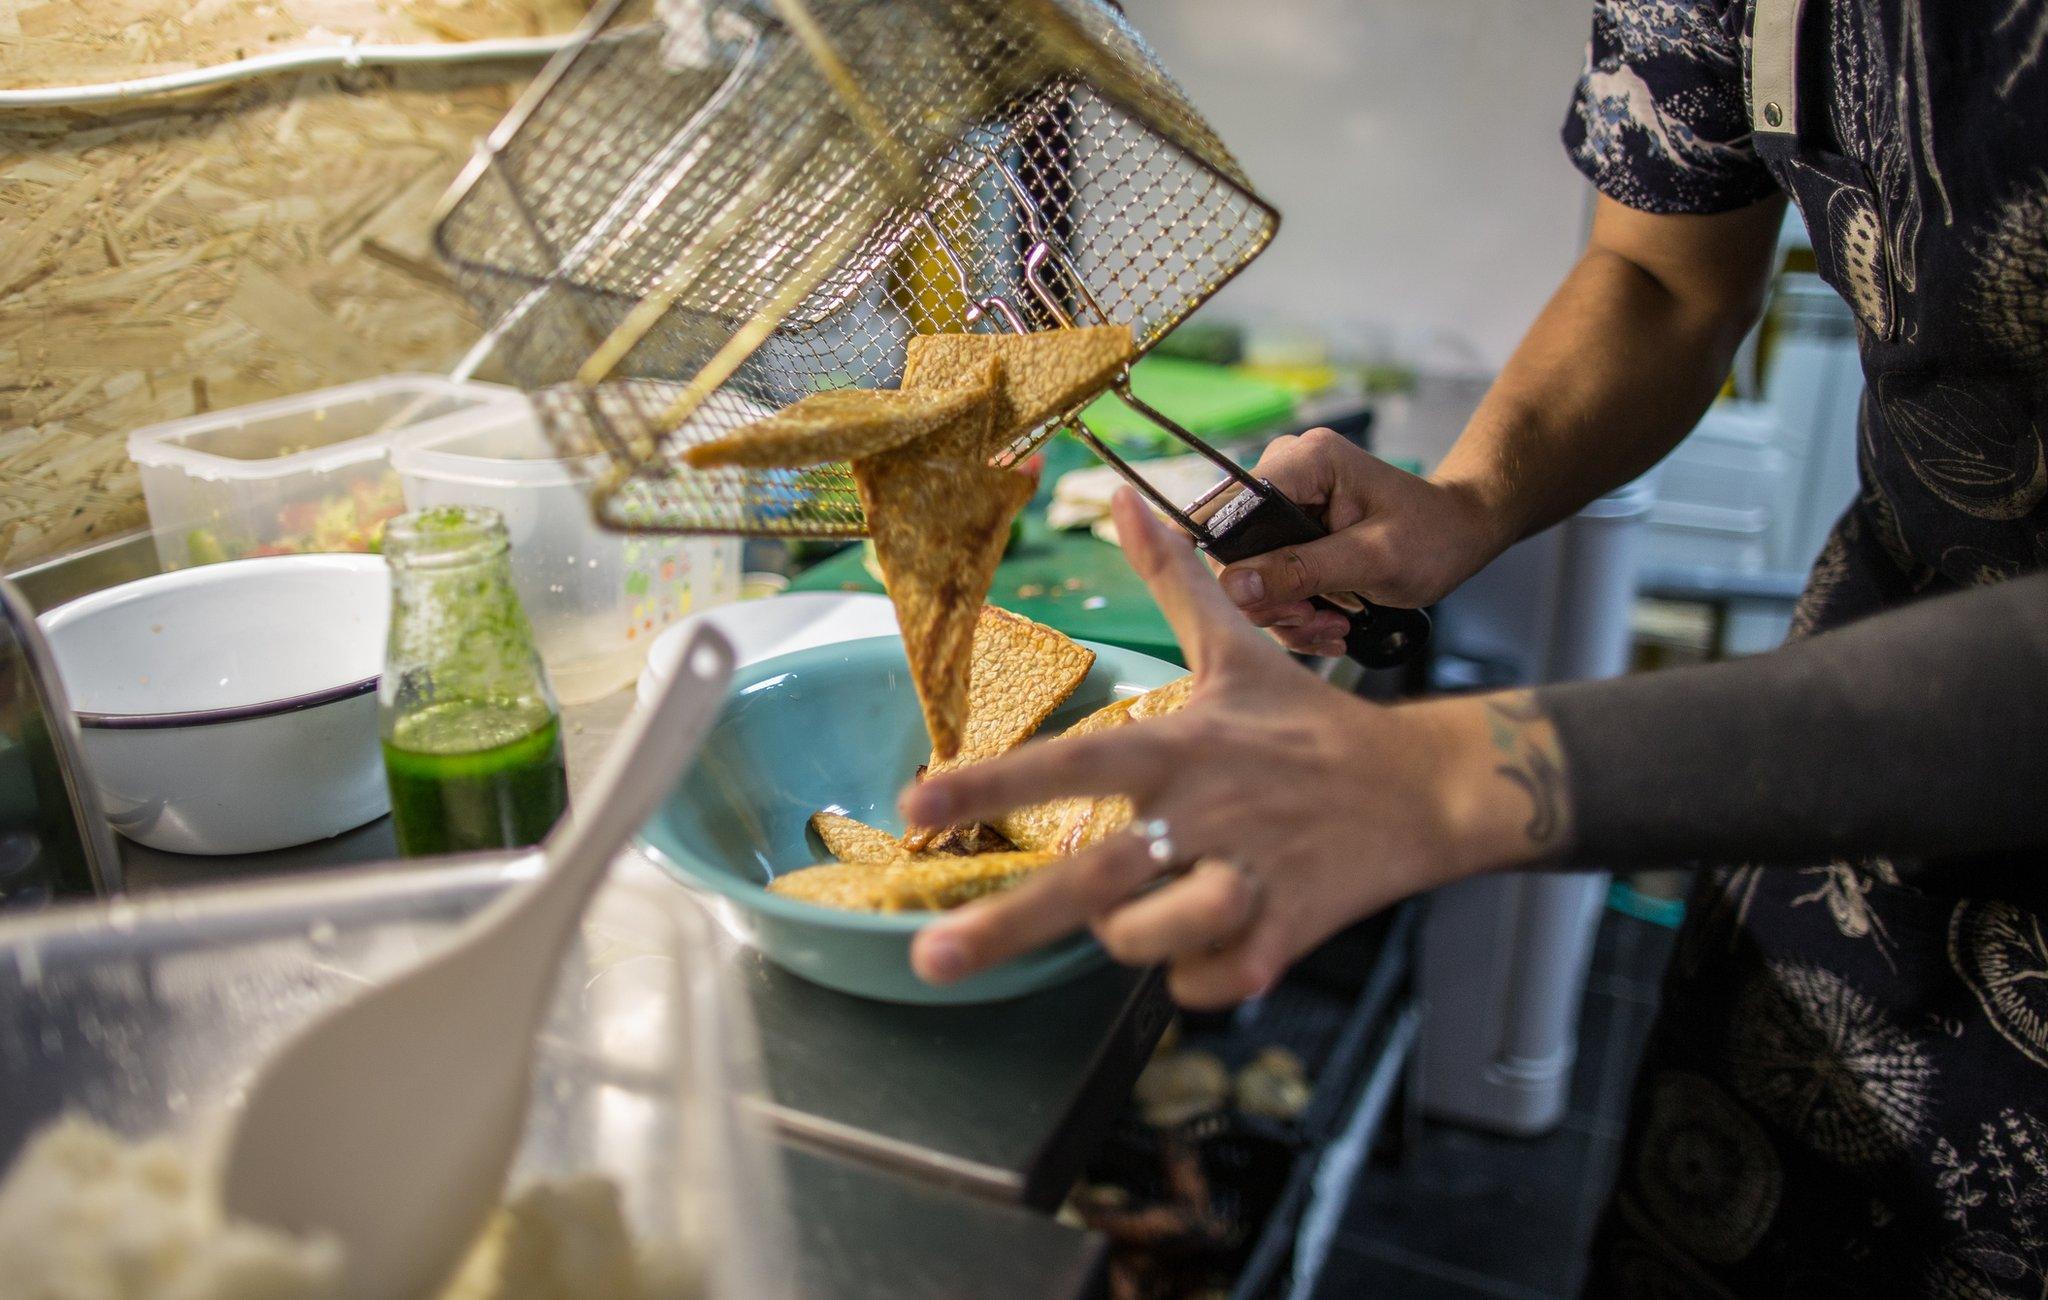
1533, 761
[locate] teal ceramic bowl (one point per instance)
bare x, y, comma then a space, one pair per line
838, 727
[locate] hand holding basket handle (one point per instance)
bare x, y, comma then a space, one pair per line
1253, 521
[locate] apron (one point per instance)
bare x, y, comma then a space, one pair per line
1846, 1093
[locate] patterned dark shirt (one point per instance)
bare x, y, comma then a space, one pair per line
1847, 1092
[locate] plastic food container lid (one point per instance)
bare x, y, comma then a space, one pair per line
329, 428
499, 446
1625, 502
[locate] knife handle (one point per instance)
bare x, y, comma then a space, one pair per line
1255, 522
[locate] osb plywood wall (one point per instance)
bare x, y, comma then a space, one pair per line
206, 252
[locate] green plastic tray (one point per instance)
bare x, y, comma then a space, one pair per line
1208, 401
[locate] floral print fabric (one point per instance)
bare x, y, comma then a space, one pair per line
1847, 1092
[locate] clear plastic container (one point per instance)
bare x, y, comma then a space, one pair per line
150, 1017
299, 474
1722, 494
596, 599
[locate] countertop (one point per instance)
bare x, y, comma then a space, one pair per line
908, 1130
1003, 1101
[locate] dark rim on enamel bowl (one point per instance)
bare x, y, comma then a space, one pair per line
230, 713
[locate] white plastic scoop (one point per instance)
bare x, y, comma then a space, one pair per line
390, 1121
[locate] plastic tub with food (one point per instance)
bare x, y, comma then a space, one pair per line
126, 1031
597, 599
308, 473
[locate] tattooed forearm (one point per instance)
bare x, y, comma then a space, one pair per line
1533, 762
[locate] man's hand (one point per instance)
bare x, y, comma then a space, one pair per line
1628, 353
1289, 808
1394, 538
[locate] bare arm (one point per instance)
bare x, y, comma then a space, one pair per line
1621, 364
1618, 367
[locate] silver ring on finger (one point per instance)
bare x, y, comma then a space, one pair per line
1156, 838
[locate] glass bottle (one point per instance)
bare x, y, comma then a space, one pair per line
472, 736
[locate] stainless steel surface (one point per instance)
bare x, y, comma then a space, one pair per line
148, 868
669, 250
54, 837
1003, 1101
49, 583
867, 1234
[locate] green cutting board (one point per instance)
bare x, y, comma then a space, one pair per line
1065, 580
1208, 401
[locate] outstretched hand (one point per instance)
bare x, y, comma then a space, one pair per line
1283, 808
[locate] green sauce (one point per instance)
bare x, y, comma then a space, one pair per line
475, 774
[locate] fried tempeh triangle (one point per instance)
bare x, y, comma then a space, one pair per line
913, 884
1022, 671
1044, 374
939, 518
939, 515
856, 841
1069, 825
838, 425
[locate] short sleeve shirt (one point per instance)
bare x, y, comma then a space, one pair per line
1658, 121
1922, 174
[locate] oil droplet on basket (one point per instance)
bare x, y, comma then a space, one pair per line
156, 627
321, 934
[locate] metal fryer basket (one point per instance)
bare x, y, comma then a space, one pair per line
673, 247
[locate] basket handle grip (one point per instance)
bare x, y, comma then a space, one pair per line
1263, 519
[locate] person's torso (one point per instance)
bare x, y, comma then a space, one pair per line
1921, 168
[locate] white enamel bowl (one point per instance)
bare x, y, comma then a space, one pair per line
232, 708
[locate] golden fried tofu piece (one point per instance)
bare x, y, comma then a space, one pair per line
913, 884
1044, 374
854, 886
1022, 671
939, 515
839, 425
1064, 826
939, 518
850, 840
1162, 700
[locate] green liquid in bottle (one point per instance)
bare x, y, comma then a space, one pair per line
468, 775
